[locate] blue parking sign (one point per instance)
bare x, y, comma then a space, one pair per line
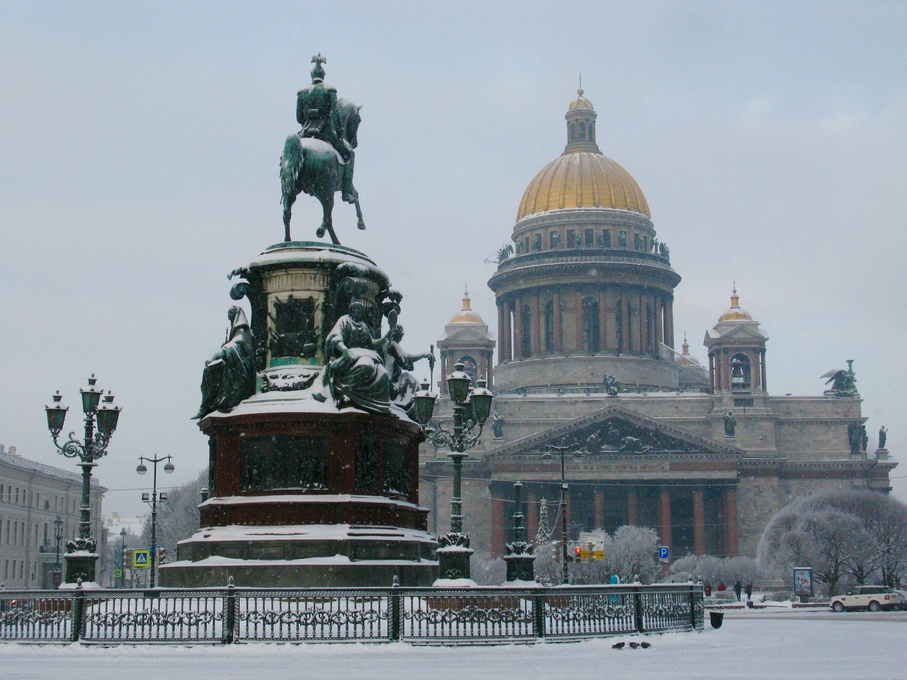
664, 552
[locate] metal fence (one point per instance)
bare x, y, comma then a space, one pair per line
418, 615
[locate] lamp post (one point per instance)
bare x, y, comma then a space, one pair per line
152, 500
58, 536
562, 450
123, 557
471, 408
100, 423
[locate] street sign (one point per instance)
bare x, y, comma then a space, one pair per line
664, 553
117, 573
141, 558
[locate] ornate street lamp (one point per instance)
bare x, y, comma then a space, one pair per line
58, 536
562, 450
123, 557
471, 408
152, 500
100, 423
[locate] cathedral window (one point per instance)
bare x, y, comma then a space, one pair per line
554, 240
582, 131
604, 239
549, 326
573, 132
622, 239
588, 238
526, 339
590, 325
571, 238
537, 242
741, 373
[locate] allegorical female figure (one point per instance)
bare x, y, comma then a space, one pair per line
229, 376
354, 370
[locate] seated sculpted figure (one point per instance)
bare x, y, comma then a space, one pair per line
354, 370
403, 385
229, 375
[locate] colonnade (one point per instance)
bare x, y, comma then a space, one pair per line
637, 512
613, 319
720, 369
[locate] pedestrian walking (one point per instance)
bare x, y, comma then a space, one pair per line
748, 589
737, 589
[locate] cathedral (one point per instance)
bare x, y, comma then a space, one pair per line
591, 391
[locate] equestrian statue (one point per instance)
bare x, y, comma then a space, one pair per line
318, 160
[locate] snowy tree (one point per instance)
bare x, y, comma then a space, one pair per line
843, 535
177, 517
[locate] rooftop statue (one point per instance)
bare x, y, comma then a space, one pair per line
318, 160
843, 381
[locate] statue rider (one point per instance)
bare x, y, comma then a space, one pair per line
318, 112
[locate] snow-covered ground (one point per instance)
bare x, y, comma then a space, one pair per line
751, 644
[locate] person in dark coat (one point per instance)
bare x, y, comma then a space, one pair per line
737, 589
748, 589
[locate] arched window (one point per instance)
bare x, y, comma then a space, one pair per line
590, 325
582, 131
741, 374
591, 132
549, 326
526, 349
573, 132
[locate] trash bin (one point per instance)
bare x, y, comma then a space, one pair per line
716, 619
749, 604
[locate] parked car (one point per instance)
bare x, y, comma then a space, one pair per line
872, 598
902, 595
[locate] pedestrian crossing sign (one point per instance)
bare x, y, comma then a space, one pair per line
141, 558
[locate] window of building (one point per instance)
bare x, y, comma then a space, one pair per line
549, 326
526, 340
554, 240
536, 242
604, 239
589, 239
582, 131
740, 373
571, 238
622, 239
590, 325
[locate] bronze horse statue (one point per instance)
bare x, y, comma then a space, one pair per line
315, 167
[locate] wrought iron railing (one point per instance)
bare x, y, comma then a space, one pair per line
423, 615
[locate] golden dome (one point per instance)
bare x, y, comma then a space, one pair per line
466, 315
582, 179
735, 313
580, 102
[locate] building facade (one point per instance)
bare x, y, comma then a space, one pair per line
587, 371
32, 497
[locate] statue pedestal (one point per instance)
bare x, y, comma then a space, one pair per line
80, 565
304, 493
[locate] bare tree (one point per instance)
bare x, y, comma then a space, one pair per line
850, 535
177, 517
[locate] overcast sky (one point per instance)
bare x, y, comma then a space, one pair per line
139, 147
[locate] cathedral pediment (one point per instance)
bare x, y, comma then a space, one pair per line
466, 336
618, 431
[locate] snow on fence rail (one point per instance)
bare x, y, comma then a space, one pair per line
423, 615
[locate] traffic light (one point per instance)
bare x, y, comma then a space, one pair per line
578, 556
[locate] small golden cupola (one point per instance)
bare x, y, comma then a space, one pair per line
466, 341
736, 352
735, 313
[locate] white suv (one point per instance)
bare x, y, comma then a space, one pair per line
872, 598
